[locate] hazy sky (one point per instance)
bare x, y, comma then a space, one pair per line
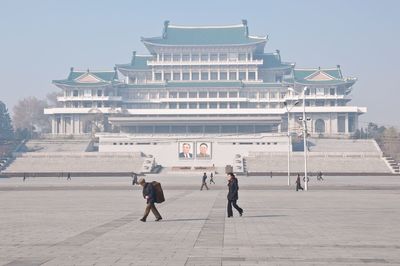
41, 40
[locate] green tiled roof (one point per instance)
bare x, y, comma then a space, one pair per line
105, 78
139, 62
301, 77
178, 35
273, 60
206, 84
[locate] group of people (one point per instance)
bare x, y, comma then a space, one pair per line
204, 180
149, 194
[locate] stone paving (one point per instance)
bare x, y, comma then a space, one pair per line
95, 221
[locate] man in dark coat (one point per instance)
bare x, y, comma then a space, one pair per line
204, 181
298, 183
233, 195
149, 194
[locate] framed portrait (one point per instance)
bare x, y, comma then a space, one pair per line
186, 150
203, 150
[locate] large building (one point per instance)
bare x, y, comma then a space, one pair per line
205, 80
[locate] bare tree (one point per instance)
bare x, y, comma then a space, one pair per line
29, 115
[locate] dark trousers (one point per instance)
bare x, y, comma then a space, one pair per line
233, 203
298, 186
152, 207
204, 185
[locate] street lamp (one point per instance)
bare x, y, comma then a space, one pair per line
288, 109
304, 136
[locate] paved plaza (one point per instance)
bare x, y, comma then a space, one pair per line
95, 221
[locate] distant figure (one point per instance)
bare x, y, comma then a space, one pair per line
233, 195
319, 176
212, 178
270, 174
69, 176
204, 182
298, 183
149, 193
304, 179
24, 178
134, 179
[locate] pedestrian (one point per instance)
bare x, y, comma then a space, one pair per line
134, 179
149, 194
233, 195
212, 178
24, 178
270, 174
319, 176
69, 176
204, 182
298, 183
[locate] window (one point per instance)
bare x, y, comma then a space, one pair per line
320, 126
223, 94
172, 105
99, 93
319, 91
195, 76
202, 94
157, 76
213, 105
214, 75
242, 57
233, 94
204, 57
177, 76
204, 75
352, 123
223, 75
75, 93
167, 57
186, 76
332, 91
252, 95
341, 124
173, 94
232, 75
213, 57
242, 75
167, 76
192, 105
332, 102
213, 94
176, 57
203, 105
195, 57
182, 105
319, 103
193, 94
233, 56
244, 105
252, 75
272, 95
233, 105
185, 57
243, 94
182, 94
223, 57
223, 105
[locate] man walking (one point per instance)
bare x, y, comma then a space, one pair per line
233, 195
212, 178
134, 179
298, 183
149, 194
204, 182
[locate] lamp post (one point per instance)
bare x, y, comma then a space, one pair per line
289, 136
305, 139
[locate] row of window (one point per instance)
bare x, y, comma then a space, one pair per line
213, 75
207, 94
204, 57
208, 129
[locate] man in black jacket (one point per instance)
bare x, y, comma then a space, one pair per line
233, 195
150, 195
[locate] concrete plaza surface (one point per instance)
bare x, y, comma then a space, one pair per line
95, 221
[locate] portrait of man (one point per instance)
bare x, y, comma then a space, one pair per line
203, 150
186, 150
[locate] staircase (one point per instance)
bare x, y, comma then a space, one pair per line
392, 163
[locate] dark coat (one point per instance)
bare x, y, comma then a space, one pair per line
233, 189
148, 190
204, 178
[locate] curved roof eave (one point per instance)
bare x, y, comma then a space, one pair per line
203, 45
